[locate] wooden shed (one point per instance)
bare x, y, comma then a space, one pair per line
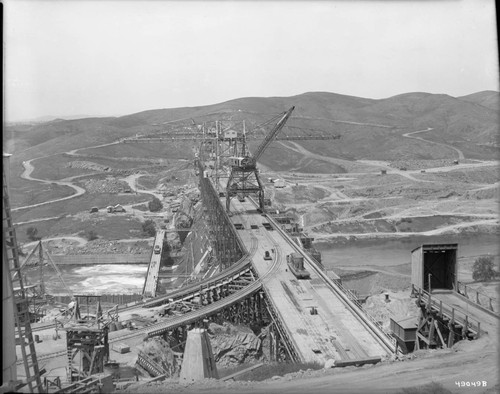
438, 260
405, 331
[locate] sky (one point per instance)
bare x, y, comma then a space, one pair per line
116, 57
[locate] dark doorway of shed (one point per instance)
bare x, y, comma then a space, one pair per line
440, 264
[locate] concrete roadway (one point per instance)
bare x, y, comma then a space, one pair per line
151, 283
334, 332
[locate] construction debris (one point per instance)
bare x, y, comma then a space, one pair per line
234, 345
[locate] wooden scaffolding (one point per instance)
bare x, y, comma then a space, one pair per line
21, 301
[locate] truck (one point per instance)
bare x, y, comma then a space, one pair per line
116, 208
279, 183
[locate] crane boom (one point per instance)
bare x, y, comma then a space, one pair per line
269, 138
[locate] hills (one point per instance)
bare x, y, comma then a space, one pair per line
369, 128
487, 98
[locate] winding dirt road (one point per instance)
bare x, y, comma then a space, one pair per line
410, 135
437, 231
28, 169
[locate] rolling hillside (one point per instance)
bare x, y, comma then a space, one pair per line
369, 129
487, 98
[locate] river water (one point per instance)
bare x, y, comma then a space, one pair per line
100, 279
397, 251
129, 278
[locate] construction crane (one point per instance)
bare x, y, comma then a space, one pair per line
226, 153
244, 177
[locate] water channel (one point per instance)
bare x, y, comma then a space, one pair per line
129, 278
396, 251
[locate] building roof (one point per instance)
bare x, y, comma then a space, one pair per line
407, 323
436, 247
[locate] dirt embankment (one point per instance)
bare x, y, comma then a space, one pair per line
68, 246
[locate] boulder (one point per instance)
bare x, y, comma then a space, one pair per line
330, 363
234, 345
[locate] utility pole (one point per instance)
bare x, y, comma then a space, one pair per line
40, 261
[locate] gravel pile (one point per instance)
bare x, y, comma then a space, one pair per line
232, 345
99, 246
87, 165
108, 185
421, 164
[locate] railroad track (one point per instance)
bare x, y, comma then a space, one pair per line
231, 272
47, 326
242, 265
384, 338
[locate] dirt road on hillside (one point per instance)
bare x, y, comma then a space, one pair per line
28, 169
437, 231
410, 135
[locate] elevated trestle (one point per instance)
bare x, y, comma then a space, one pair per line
228, 246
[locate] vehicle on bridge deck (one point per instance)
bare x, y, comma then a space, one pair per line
157, 249
296, 264
267, 226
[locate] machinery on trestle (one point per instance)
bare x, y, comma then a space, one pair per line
244, 177
87, 342
295, 262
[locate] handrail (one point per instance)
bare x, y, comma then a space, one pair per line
238, 268
476, 299
346, 295
443, 309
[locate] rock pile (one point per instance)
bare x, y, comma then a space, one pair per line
87, 165
159, 351
108, 185
399, 307
233, 345
422, 164
100, 246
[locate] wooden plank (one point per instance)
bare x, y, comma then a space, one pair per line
420, 336
439, 334
357, 362
158, 378
232, 376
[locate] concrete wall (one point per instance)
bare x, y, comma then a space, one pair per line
198, 362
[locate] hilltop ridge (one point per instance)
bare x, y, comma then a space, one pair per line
370, 128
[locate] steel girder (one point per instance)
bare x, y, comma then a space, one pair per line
244, 182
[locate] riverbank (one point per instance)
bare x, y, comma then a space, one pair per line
385, 252
119, 258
